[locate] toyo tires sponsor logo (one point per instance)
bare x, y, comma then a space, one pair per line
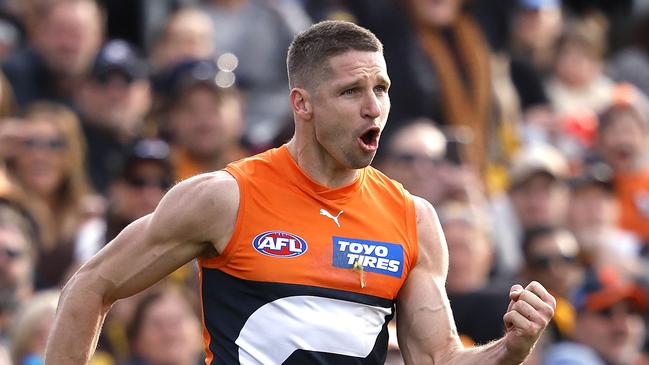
377, 257
279, 244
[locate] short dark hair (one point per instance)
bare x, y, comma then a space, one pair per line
312, 48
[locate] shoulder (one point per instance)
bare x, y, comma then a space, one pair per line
205, 204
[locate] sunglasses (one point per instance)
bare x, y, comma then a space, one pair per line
11, 253
140, 182
410, 158
545, 262
50, 144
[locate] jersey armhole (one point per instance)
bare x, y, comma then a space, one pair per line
411, 226
224, 257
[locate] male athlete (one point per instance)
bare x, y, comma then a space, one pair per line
304, 250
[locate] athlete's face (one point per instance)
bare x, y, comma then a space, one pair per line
351, 106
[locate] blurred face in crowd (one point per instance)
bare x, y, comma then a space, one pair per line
414, 156
470, 257
436, 13
40, 164
15, 261
576, 65
206, 122
616, 333
115, 102
189, 34
69, 36
170, 332
538, 28
552, 261
540, 200
592, 207
623, 141
140, 191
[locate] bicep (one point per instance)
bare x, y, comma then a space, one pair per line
182, 227
425, 325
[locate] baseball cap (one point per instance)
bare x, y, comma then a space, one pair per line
626, 97
179, 78
460, 212
603, 288
119, 56
539, 4
148, 149
537, 158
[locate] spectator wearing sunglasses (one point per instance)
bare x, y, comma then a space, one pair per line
608, 324
48, 169
112, 102
417, 155
552, 257
145, 177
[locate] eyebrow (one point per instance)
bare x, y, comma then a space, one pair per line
381, 80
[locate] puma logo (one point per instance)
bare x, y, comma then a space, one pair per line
328, 215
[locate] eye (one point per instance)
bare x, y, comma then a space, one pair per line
381, 89
350, 91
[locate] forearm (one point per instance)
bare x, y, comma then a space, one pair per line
77, 325
493, 353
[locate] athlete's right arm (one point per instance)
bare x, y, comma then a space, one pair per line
195, 218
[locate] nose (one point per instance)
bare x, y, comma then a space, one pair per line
371, 108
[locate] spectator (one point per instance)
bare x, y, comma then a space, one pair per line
593, 215
623, 143
537, 195
536, 27
552, 257
579, 85
48, 170
112, 102
145, 177
188, 34
29, 334
608, 326
258, 34
205, 119
417, 156
17, 262
64, 36
165, 330
478, 306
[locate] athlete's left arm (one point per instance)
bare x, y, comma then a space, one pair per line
425, 325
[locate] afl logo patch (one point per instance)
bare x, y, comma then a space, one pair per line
279, 244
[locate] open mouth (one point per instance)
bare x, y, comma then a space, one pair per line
369, 140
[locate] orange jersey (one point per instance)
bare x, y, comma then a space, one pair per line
311, 273
633, 196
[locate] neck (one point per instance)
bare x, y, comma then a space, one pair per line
318, 164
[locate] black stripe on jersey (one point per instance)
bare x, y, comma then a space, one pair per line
229, 301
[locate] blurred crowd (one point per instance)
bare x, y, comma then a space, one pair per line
524, 122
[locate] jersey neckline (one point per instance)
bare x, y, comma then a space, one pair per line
305, 182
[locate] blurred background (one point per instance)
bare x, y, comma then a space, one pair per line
524, 122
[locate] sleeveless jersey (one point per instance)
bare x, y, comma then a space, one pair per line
311, 274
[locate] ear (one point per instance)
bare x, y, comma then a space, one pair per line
301, 103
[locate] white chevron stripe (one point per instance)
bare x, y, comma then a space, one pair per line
277, 329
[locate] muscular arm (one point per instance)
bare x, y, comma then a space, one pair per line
195, 218
425, 325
